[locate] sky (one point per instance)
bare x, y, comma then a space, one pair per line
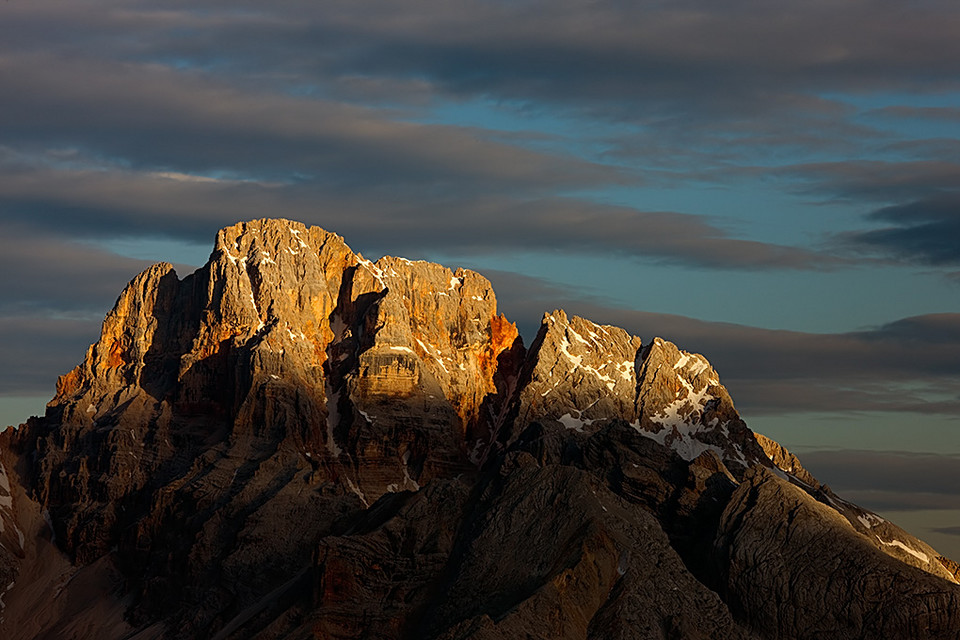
775, 185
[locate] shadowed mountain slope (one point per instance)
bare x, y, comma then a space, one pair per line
296, 442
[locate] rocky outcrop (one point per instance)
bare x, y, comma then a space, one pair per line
581, 375
11, 536
795, 568
882, 534
294, 441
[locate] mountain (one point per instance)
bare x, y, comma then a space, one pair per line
296, 442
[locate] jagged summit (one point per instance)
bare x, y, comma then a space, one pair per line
294, 441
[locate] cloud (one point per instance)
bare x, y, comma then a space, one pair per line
154, 117
950, 531
126, 202
36, 349
922, 223
650, 53
304, 107
948, 114
886, 471
46, 275
873, 180
923, 232
889, 480
738, 72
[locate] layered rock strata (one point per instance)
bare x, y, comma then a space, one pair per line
294, 441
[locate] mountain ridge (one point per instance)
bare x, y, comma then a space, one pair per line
245, 449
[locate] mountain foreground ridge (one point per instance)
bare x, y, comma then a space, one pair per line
296, 442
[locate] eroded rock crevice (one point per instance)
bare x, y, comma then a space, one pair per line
295, 441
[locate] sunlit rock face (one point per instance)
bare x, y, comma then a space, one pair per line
581, 375
294, 441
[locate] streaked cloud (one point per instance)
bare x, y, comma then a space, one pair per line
35, 349
889, 480
924, 232
48, 275
950, 531
126, 202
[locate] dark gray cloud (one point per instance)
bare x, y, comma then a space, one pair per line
744, 56
46, 275
889, 480
948, 114
888, 471
950, 531
36, 349
904, 499
763, 71
54, 294
921, 228
112, 202
873, 180
157, 118
924, 232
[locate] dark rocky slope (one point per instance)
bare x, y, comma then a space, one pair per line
296, 442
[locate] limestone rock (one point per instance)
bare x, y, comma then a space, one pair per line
580, 375
297, 442
795, 568
882, 534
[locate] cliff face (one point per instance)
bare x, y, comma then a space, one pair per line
294, 441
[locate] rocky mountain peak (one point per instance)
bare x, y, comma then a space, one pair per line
295, 441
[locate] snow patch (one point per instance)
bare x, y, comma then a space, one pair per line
684, 410
576, 336
870, 520
896, 543
777, 471
372, 268
356, 490
295, 336
296, 234
698, 367
684, 444
550, 389
577, 424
